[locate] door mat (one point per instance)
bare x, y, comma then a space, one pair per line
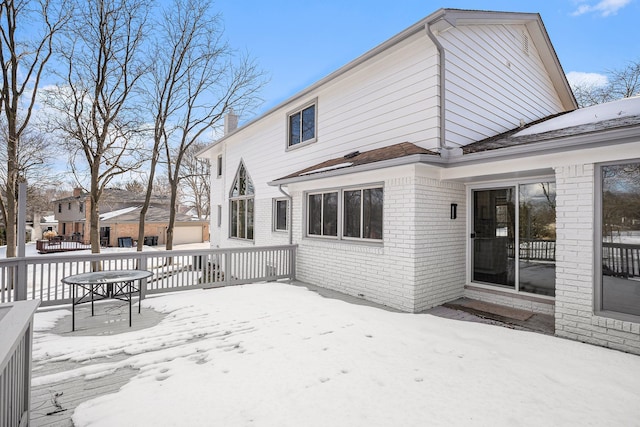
495, 309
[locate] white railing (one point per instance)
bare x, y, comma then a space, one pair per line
16, 320
40, 277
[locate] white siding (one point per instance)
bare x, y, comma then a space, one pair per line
492, 83
388, 100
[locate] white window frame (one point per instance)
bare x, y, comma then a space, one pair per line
510, 183
219, 216
275, 214
340, 214
219, 166
299, 110
246, 198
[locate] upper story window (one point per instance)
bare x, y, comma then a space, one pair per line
241, 205
302, 125
219, 166
81, 207
59, 207
69, 207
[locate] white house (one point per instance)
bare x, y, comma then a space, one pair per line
447, 162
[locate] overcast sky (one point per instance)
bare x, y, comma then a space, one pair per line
299, 42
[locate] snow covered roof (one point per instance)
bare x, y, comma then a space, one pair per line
627, 107
616, 115
132, 214
108, 215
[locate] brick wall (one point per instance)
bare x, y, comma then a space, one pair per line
574, 312
382, 273
440, 242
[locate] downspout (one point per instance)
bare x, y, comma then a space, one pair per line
289, 214
445, 150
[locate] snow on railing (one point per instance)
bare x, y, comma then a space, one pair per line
40, 277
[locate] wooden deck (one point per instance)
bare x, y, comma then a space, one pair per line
53, 404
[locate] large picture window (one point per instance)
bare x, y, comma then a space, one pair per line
302, 125
619, 227
356, 212
241, 205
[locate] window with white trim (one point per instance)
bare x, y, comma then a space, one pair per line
280, 214
219, 166
351, 213
241, 205
301, 125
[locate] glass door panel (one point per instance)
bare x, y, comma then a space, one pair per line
537, 238
494, 236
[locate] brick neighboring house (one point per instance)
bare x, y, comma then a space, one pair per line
119, 216
450, 161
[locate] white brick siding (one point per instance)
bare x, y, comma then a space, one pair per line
574, 314
439, 242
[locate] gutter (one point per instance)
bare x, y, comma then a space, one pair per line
290, 213
441, 81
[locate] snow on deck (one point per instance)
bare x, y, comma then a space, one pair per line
279, 355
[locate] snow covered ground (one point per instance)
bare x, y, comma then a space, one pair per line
280, 355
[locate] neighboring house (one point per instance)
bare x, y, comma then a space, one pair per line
120, 215
447, 163
124, 223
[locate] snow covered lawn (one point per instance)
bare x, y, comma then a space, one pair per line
279, 355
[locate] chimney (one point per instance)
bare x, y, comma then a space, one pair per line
230, 122
77, 191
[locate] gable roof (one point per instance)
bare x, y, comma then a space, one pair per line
353, 160
441, 20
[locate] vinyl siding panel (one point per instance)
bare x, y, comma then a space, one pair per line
492, 83
390, 99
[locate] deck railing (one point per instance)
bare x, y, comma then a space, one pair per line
40, 277
16, 328
620, 259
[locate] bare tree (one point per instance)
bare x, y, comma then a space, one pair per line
96, 115
27, 31
621, 83
34, 164
195, 181
196, 79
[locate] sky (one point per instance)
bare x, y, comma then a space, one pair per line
299, 42
273, 354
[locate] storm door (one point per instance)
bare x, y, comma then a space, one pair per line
494, 236
514, 237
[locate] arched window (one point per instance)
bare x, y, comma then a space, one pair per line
241, 203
